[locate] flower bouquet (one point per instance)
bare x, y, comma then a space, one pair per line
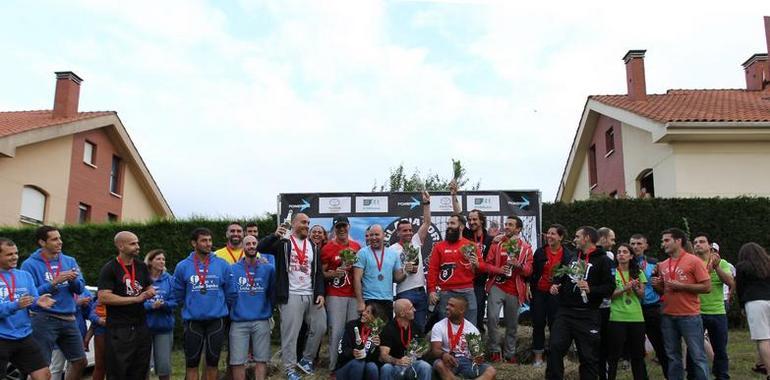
575, 271
476, 349
512, 247
411, 253
348, 257
376, 325
468, 250
416, 349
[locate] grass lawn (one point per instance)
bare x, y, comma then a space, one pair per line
741, 349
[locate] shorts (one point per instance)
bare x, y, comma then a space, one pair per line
23, 353
758, 315
256, 333
50, 332
200, 335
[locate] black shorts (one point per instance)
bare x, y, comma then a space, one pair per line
24, 354
208, 334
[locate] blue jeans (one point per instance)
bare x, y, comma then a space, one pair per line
420, 370
691, 329
358, 369
161, 352
716, 325
420, 302
49, 331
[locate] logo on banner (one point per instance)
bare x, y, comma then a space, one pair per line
446, 272
489, 203
411, 204
372, 204
301, 206
523, 204
442, 203
334, 205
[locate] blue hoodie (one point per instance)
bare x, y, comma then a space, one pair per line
161, 320
244, 305
199, 306
15, 323
63, 293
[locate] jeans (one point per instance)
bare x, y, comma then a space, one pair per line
420, 370
544, 307
691, 329
161, 352
716, 325
420, 302
358, 369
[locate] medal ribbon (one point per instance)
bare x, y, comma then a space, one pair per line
301, 254
381, 260
365, 331
201, 274
229, 252
12, 287
479, 242
50, 270
672, 273
248, 275
409, 335
132, 275
454, 339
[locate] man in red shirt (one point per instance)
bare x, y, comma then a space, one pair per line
681, 278
340, 299
451, 271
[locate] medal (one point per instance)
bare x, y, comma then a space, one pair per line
628, 301
301, 254
203, 290
253, 292
50, 270
201, 273
380, 277
379, 262
131, 276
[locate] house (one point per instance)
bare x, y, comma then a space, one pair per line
684, 143
64, 166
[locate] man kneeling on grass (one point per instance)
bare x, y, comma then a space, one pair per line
450, 344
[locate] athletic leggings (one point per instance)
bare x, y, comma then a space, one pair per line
208, 334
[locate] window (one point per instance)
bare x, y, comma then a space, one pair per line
115, 175
84, 213
609, 141
89, 153
614, 194
112, 218
646, 183
32, 205
592, 180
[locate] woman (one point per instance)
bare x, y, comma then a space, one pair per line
752, 283
160, 313
318, 235
626, 326
358, 354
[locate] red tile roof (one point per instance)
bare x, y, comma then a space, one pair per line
697, 105
15, 122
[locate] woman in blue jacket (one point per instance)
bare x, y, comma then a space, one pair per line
160, 313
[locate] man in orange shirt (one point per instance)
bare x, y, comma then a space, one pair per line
681, 278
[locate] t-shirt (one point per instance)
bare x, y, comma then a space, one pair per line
713, 302
553, 259
397, 339
373, 287
413, 280
439, 334
330, 256
113, 277
628, 307
689, 269
300, 279
231, 255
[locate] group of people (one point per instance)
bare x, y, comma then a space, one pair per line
387, 314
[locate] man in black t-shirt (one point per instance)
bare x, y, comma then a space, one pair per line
397, 336
124, 285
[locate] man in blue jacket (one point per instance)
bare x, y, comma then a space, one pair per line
59, 275
252, 306
201, 285
17, 293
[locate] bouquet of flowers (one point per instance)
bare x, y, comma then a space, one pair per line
416, 349
376, 326
468, 250
512, 247
348, 257
475, 347
575, 271
411, 253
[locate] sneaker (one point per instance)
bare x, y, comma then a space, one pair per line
538, 364
512, 360
293, 375
306, 366
495, 357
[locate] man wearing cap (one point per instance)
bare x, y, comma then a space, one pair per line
340, 298
375, 271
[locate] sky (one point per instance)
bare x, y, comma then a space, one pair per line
232, 102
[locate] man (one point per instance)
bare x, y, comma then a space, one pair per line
252, 229
579, 299
201, 284
607, 242
506, 288
17, 293
233, 251
124, 285
299, 291
451, 271
712, 307
544, 305
394, 349
413, 287
449, 344
374, 273
681, 278
477, 233
250, 311
59, 275
651, 301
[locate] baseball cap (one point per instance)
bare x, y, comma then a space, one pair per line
715, 246
340, 220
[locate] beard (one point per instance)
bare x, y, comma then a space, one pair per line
452, 234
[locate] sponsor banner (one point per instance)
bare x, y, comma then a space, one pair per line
443, 203
483, 202
377, 204
334, 205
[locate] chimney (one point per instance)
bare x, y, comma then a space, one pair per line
637, 88
65, 103
767, 41
756, 68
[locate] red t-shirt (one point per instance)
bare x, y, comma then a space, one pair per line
330, 256
687, 269
448, 267
553, 259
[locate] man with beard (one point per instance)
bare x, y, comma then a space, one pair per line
450, 271
580, 295
124, 285
299, 291
374, 273
477, 233
341, 305
252, 229
233, 251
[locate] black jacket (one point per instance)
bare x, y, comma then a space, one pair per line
601, 283
749, 287
281, 249
348, 343
538, 263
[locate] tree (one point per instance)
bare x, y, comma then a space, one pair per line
400, 181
